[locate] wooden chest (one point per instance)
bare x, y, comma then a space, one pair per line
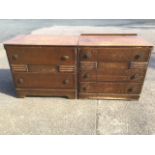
94, 66
43, 65
112, 66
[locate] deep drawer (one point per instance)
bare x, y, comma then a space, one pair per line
123, 54
111, 87
47, 80
41, 55
118, 54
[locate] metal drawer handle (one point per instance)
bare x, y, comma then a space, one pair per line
66, 81
15, 57
65, 57
20, 81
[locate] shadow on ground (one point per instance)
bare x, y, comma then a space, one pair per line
6, 82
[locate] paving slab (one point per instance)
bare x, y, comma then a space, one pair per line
48, 116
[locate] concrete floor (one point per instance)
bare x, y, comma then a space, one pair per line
47, 115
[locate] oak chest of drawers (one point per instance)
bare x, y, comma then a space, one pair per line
94, 66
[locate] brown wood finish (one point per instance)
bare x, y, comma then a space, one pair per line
69, 93
41, 55
112, 41
43, 65
111, 87
92, 66
46, 80
112, 66
43, 40
109, 96
115, 54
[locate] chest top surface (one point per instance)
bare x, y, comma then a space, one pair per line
43, 40
112, 40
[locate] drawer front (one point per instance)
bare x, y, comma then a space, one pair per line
118, 78
120, 71
37, 80
41, 55
112, 66
43, 68
123, 54
111, 87
124, 72
106, 66
112, 71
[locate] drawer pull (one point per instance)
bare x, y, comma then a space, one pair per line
85, 76
133, 77
15, 57
130, 90
137, 57
65, 82
65, 57
87, 56
84, 88
20, 81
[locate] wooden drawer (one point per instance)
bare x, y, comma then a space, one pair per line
47, 80
104, 77
123, 54
43, 68
119, 78
111, 87
118, 54
112, 66
41, 55
121, 71
109, 68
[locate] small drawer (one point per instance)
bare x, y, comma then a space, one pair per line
120, 68
111, 87
121, 54
41, 55
119, 78
121, 72
46, 80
